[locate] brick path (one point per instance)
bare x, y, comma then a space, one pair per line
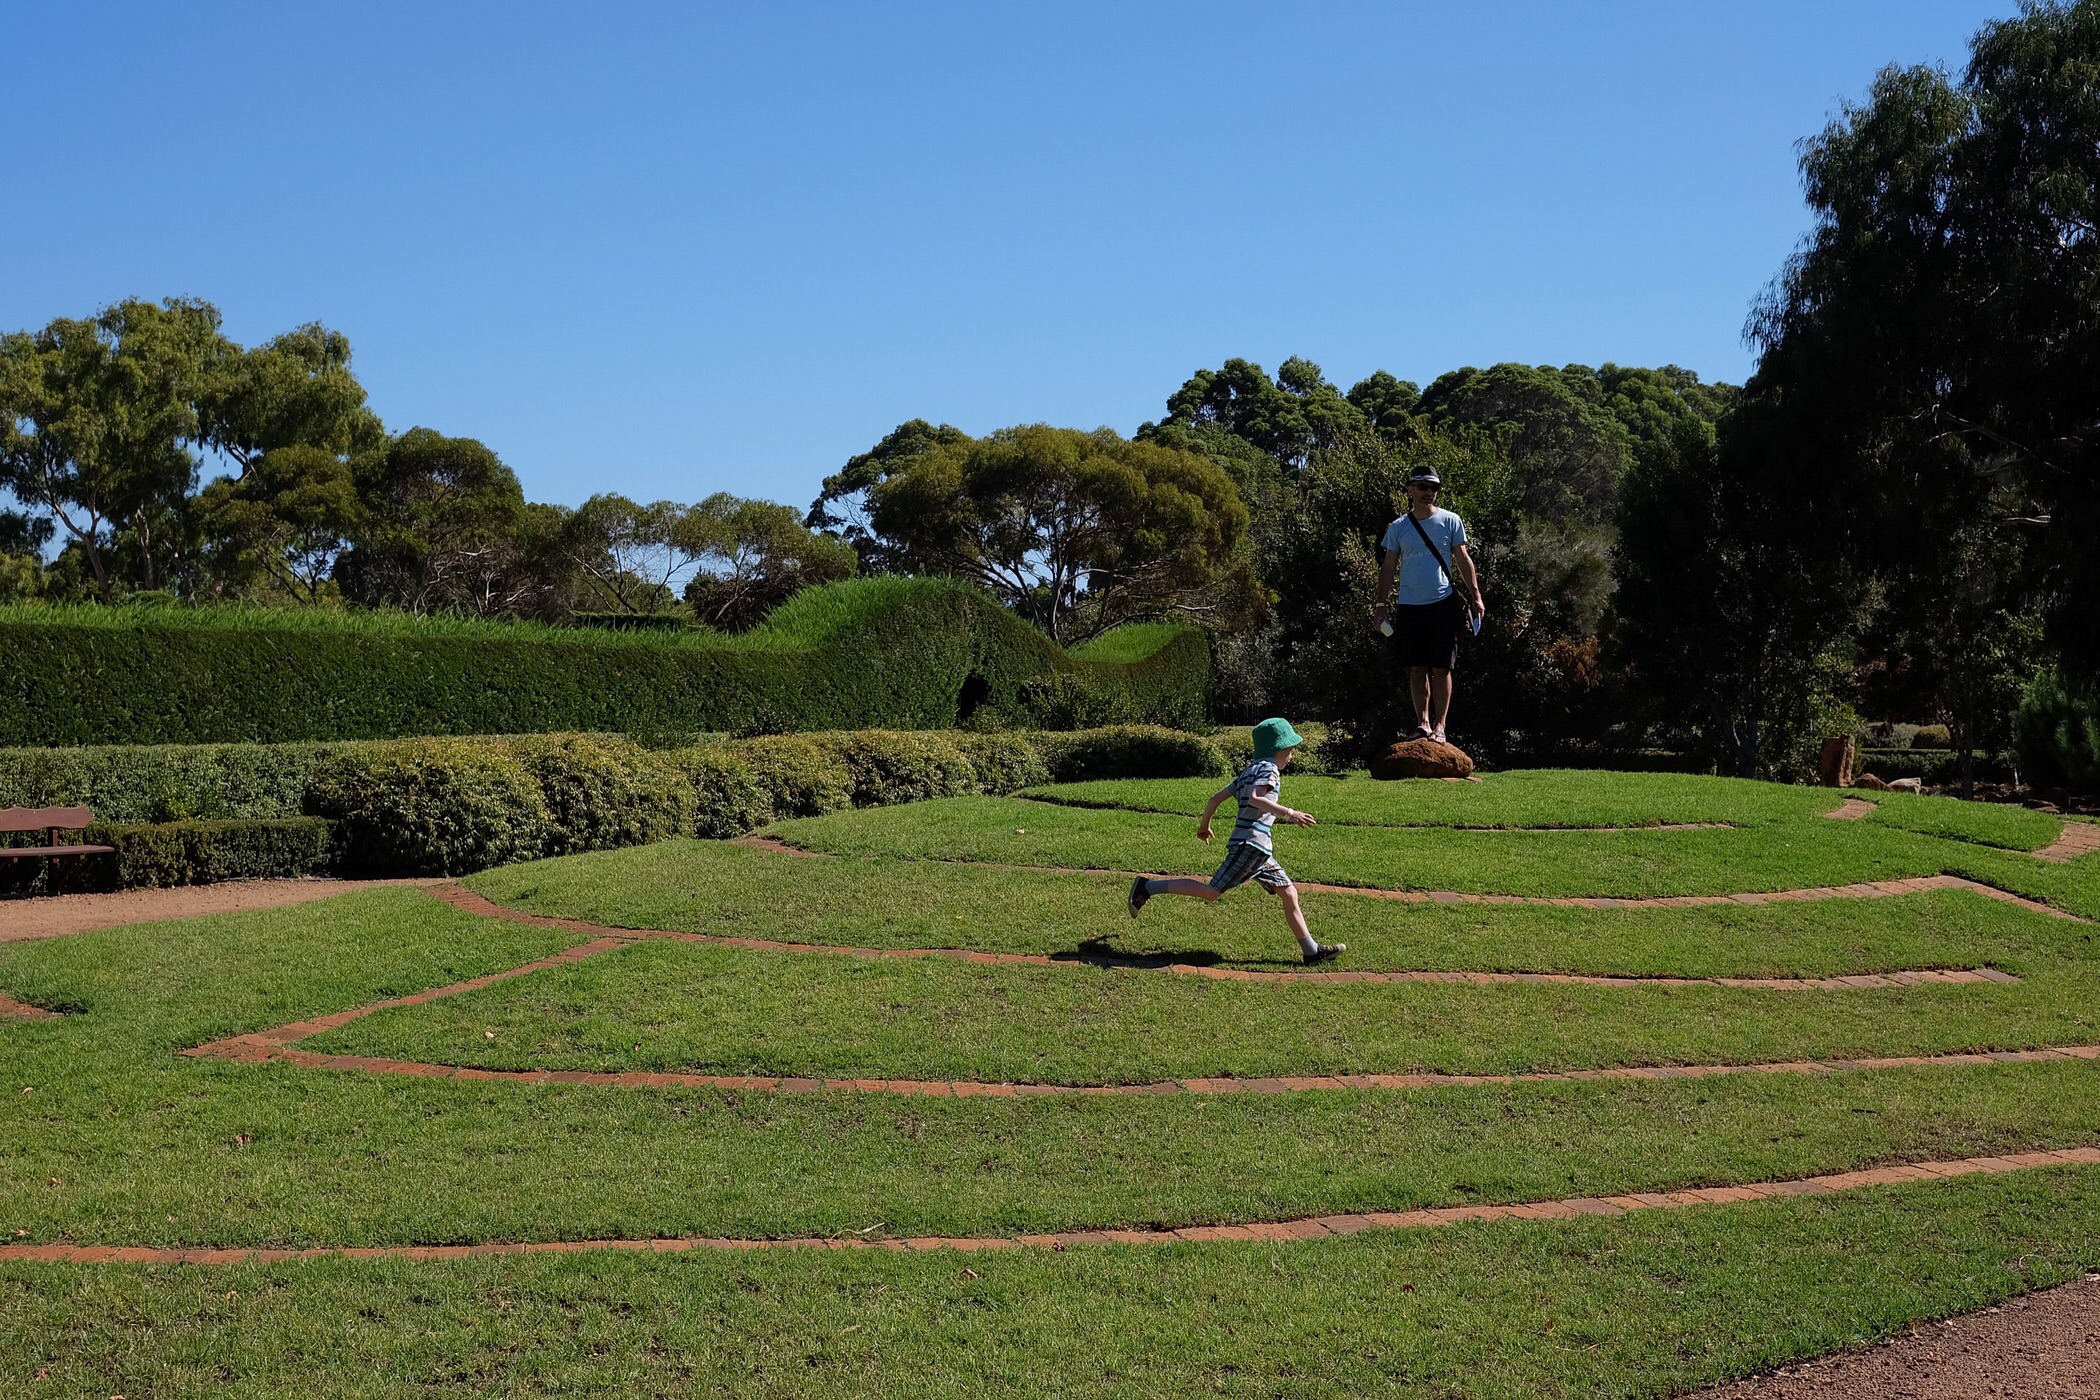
1308, 1228
2077, 839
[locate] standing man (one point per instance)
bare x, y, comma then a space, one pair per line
1422, 548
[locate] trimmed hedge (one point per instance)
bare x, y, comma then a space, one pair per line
154, 854
452, 805
886, 652
166, 782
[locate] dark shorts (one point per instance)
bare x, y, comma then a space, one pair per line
1426, 634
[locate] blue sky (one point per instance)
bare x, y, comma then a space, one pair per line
674, 249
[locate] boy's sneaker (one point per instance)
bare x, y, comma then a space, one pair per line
1325, 952
1138, 895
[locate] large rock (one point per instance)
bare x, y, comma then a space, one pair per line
1834, 764
1422, 758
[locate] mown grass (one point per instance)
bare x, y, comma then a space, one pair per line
883, 902
150, 1148
120, 1140
1543, 798
1619, 864
719, 1010
1642, 1305
1985, 823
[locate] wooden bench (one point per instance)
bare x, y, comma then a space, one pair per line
51, 821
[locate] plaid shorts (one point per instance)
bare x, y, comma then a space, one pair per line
1249, 862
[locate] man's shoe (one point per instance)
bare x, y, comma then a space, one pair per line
1138, 895
1325, 952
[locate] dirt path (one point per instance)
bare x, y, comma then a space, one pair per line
52, 916
2045, 1346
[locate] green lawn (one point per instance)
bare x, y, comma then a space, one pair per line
1807, 852
121, 1140
886, 902
1541, 798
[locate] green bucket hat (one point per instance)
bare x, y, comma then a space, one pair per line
1272, 736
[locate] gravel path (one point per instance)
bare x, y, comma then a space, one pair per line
2045, 1346
53, 915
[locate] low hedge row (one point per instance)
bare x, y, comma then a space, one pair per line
449, 806
885, 652
152, 854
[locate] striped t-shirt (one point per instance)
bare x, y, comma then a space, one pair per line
1261, 777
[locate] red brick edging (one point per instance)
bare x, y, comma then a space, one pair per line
1308, 1228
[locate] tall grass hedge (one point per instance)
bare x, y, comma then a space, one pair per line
867, 653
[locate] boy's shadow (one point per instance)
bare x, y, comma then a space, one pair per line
1101, 951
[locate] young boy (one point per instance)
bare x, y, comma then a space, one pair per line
1248, 855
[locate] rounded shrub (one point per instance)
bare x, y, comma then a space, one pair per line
803, 778
602, 792
1004, 762
889, 765
430, 807
1932, 736
1130, 751
728, 798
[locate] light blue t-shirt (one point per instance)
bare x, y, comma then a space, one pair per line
1421, 580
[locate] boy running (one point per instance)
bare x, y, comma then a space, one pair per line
1249, 855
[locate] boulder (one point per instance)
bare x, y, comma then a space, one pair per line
1422, 758
1906, 785
1834, 764
1870, 783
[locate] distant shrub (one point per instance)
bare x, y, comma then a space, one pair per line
2056, 732
888, 766
154, 854
431, 807
165, 782
206, 852
801, 775
1312, 756
728, 798
1130, 751
1004, 762
1932, 736
604, 792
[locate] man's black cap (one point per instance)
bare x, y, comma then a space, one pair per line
1424, 474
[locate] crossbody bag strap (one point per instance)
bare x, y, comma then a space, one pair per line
1434, 553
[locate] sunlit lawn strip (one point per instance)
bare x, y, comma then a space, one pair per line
675, 1006
1985, 823
1640, 1305
236, 1154
1617, 864
1534, 798
737, 891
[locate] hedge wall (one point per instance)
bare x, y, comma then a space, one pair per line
888, 653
